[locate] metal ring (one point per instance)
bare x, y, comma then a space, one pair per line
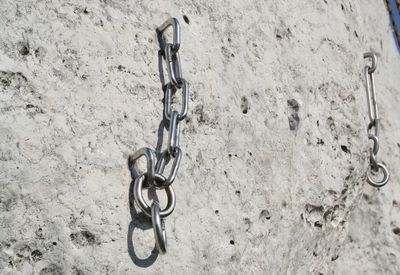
158, 228
142, 204
164, 159
386, 177
174, 66
159, 181
176, 32
185, 100
150, 157
374, 60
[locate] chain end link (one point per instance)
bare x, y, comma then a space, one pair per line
176, 28
374, 60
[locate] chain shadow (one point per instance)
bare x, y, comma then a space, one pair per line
141, 221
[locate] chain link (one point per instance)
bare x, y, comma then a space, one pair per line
176, 28
168, 99
373, 126
173, 65
159, 228
164, 159
142, 204
153, 177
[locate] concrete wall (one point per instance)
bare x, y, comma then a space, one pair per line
273, 176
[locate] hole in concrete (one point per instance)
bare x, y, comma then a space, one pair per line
186, 19
345, 149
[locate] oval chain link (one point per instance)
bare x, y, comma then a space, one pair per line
373, 126
174, 66
168, 99
153, 177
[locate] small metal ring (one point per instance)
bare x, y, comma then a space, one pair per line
158, 228
386, 177
142, 204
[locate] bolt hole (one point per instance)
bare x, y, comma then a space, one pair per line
344, 148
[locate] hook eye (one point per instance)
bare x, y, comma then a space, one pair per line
371, 55
176, 28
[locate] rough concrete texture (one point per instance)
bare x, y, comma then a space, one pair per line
275, 148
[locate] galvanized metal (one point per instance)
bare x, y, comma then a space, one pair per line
153, 178
373, 126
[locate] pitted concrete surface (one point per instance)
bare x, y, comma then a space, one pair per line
273, 176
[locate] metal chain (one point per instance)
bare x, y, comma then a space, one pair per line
373, 126
154, 176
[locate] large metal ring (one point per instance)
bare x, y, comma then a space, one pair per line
142, 204
158, 228
386, 177
151, 163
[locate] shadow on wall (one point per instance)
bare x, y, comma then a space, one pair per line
141, 221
